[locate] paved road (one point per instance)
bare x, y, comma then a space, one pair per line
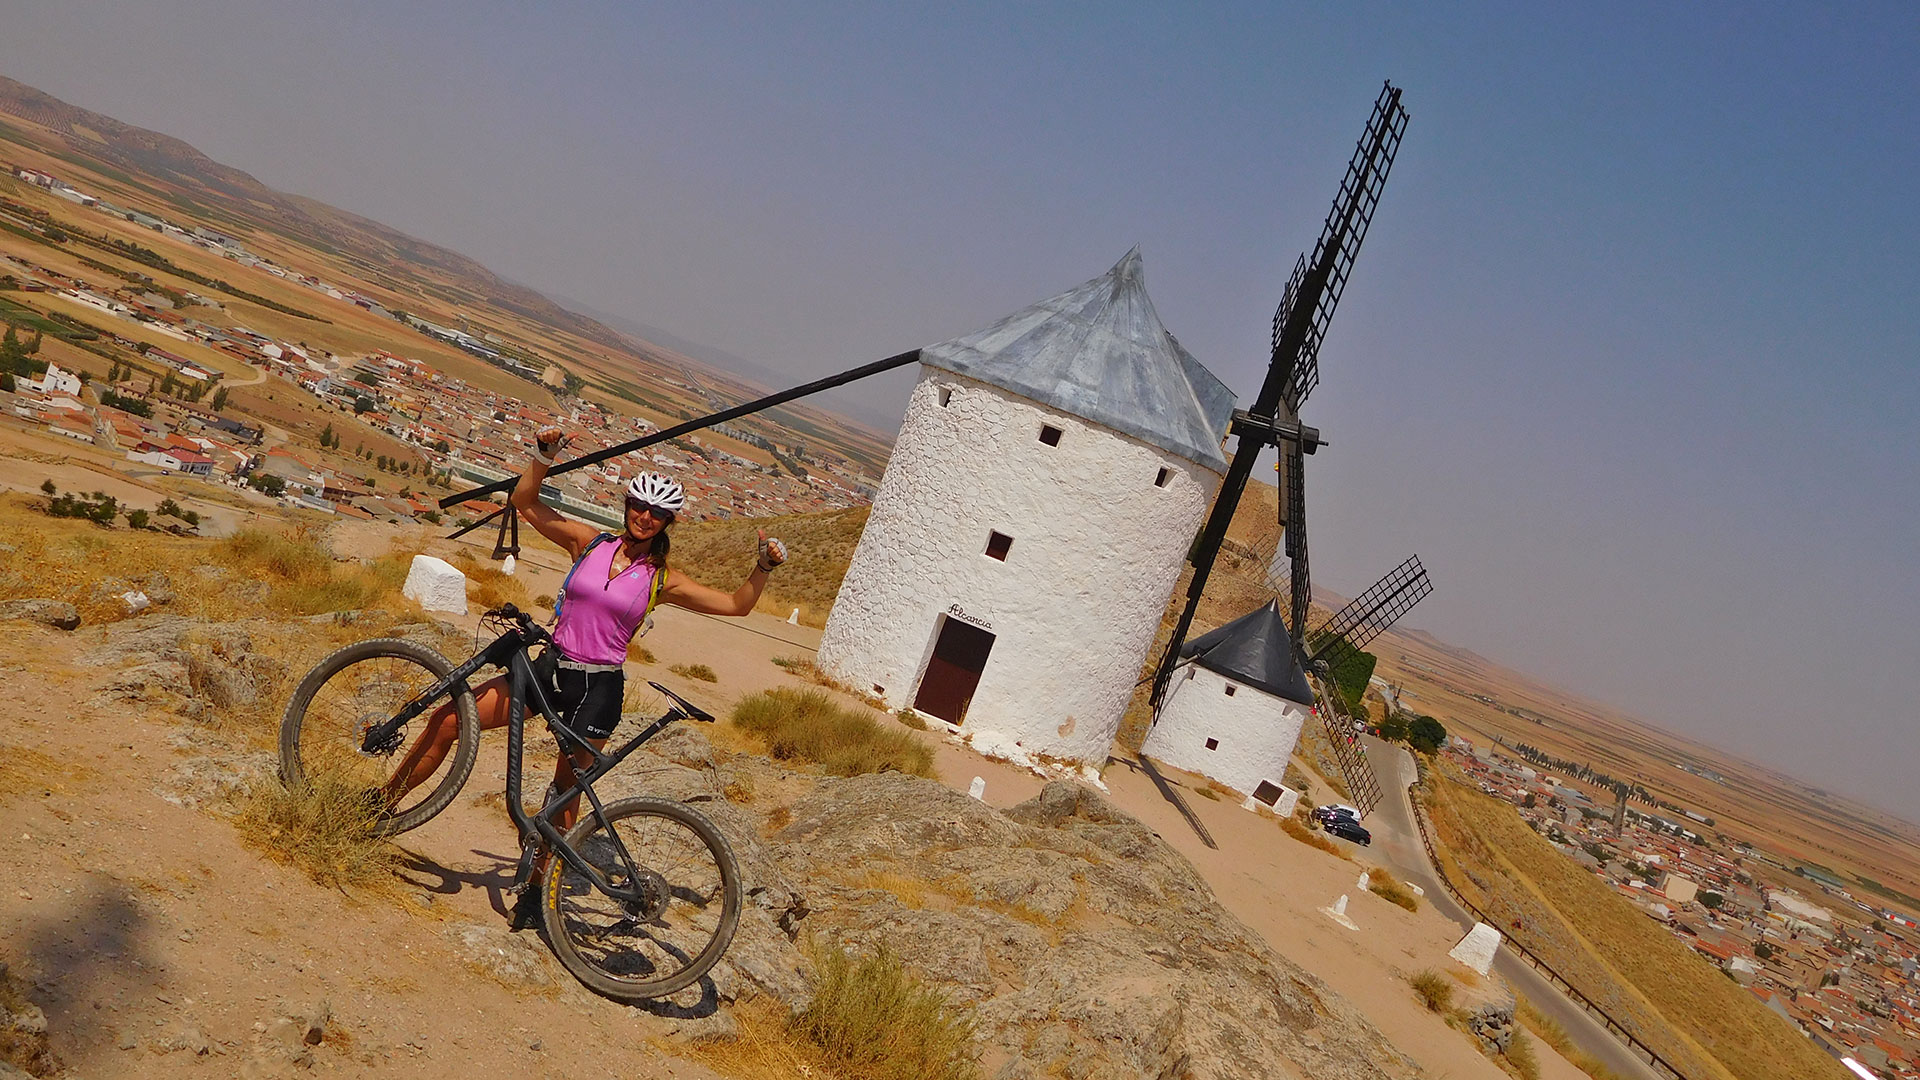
1397, 838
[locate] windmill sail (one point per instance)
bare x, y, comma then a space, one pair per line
1300, 323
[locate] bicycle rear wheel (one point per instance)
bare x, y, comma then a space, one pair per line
354, 689
685, 920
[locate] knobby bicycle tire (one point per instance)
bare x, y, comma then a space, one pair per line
622, 957
337, 742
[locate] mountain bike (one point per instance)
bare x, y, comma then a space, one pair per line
643, 895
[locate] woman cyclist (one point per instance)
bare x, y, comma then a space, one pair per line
605, 599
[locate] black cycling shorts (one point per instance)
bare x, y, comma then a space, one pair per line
589, 701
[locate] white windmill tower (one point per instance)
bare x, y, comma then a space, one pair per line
1048, 479
1234, 711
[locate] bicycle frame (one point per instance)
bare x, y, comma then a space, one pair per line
522, 686
509, 651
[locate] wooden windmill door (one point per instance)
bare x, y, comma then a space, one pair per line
959, 656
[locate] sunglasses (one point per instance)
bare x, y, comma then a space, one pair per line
659, 513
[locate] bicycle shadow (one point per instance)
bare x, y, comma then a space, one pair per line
429, 875
434, 877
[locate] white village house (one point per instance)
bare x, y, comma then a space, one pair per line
1235, 708
1049, 475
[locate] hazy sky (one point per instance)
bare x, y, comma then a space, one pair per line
1631, 357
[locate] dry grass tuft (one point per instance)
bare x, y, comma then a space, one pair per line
487, 586
695, 671
324, 828
302, 576
870, 1019
640, 653
805, 725
910, 891
764, 1049
1550, 1032
778, 818
1434, 989
873, 1020
1388, 888
1520, 1055
1292, 827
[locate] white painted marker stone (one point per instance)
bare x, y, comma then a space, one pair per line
794, 619
507, 566
1477, 948
978, 789
1365, 879
1338, 913
436, 585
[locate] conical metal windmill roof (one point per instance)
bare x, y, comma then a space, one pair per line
1099, 352
1257, 650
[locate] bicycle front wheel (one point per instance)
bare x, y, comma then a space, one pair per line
355, 689
682, 923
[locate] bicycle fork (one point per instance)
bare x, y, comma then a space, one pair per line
537, 830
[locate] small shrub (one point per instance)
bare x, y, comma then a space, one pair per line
1521, 1056
805, 725
302, 575
1434, 990
640, 653
487, 585
1383, 885
695, 671
544, 600
1549, 1031
1293, 827
875, 1021
910, 718
1206, 792
324, 828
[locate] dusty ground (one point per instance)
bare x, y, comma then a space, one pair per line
148, 932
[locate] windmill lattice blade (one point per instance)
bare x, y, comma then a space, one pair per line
1288, 298
1300, 581
1340, 238
1367, 617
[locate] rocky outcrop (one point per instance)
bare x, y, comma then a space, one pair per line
1082, 943
55, 613
1487, 1007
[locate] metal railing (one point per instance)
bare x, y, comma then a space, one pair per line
1533, 960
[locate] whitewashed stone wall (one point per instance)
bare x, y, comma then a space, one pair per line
1097, 548
1255, 730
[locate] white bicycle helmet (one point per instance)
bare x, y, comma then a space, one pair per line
657, 490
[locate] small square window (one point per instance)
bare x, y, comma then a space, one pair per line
878, 689
946, 395
1230, 689
1165, 478
1213, 744
1049, 434
997, 545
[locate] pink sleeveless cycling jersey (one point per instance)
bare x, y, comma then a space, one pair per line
598, 617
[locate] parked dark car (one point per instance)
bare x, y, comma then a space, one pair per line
1349, 829
1334, 811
